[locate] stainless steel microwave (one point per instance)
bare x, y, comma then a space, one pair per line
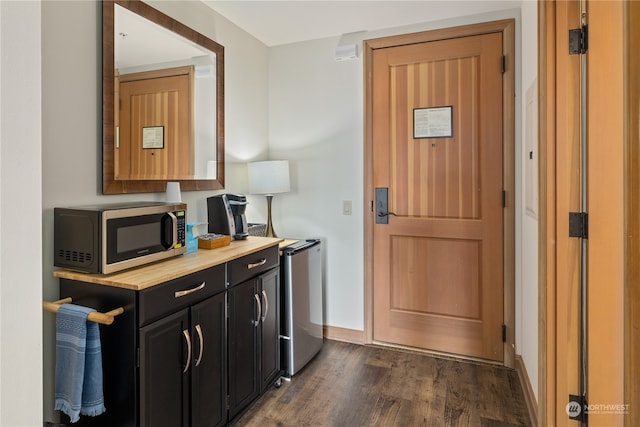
109, 238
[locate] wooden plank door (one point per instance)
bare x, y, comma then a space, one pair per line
156, 102
438, 262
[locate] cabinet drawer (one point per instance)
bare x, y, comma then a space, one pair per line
253, 264
166, 298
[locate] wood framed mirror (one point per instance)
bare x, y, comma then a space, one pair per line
140, 153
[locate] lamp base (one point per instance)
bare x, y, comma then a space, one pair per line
270, 232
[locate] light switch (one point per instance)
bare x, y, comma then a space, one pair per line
346, 207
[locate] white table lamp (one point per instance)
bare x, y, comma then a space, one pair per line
269, 177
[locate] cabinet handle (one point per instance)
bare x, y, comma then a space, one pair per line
201, 338
188, 339
257, 321
263, 261
266, 305
179, 294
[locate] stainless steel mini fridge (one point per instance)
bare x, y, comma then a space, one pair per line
302, 307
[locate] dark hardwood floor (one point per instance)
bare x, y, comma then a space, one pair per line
354, 385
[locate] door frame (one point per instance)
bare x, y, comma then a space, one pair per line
558, 368
632, 208
507, 28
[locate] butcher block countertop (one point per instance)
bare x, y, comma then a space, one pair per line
140, 278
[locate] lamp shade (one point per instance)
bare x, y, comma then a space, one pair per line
269, 177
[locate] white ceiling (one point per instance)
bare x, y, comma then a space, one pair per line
140, 42
282, 22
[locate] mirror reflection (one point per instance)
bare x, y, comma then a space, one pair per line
165, 124
167, 110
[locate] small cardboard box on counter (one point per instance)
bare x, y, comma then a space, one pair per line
212, 241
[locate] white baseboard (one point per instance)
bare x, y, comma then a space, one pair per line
529, 397
343, 334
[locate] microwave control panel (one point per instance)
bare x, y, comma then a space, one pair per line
182, 228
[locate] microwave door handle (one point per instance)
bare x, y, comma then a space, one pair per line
169, 229
174, 229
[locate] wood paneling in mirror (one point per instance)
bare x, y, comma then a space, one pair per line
109, 184
149, 98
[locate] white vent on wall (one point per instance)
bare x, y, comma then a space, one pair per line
346, 52
349, 46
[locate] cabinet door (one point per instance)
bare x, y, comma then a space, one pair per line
270, 294
244, 327
209, 368
164, 371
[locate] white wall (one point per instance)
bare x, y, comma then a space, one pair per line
527, 304
316, 122
72, 127
20, 216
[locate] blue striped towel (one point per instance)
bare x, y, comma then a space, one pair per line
78, 363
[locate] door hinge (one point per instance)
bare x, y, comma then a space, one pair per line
228, 404
138, 357
579, 225
578, 40
503, 64
504, 333
577, 408
504, 198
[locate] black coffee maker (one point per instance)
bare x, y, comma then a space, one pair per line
226, 215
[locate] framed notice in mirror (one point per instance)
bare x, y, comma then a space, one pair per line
435, 122
153, 137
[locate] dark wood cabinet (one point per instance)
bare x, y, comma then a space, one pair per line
209, 369
254, 340
164, 391
182, 367
195, 350
244, 323
182, 355
164, 359
270, 327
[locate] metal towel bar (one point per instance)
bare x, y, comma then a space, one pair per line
95, 316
